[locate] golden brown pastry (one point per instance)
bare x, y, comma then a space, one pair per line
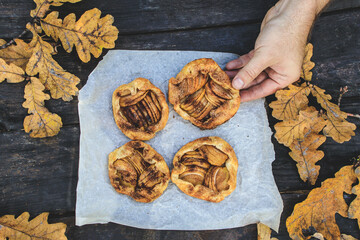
137, 170
202, 93
206, 168
140, 109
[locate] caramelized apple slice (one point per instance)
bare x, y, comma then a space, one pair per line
217, 179
132, 99
213, 155
126, 173
220, 91
150, 177
194, 175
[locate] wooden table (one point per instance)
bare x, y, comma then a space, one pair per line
39, 175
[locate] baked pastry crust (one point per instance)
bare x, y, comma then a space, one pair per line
202, 93
207, 190
137, 170
140, 109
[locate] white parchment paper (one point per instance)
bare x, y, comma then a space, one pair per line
256, 197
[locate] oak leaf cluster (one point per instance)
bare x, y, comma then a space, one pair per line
303, 128
33, 61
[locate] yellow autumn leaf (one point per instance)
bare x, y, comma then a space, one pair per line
304, 151
11, 72
263, 232
319, 208
332, 110
347, 237
340, 131
336, 126
306, 73
42, 6
305, 154
289, 131
18, 53
354, 208
90, 34
289, 102
61, 83
38, 228
40, 123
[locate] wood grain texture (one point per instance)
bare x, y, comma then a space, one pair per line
155, 15
336, 58
38, 175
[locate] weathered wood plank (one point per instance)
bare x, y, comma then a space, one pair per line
34, 171
336, 54
114, 231
154, 15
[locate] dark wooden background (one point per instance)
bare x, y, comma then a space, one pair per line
38, 175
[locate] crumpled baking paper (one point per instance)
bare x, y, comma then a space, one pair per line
256, 197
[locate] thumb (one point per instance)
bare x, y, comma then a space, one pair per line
250, 71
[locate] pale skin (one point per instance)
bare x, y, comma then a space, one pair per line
276, 59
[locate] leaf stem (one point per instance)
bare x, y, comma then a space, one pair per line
353, 115
12, 41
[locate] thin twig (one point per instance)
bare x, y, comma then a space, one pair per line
342, 92
12, 41
353, 115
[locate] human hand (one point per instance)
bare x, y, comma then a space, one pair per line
279, 50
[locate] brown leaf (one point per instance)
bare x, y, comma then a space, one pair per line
289, 131
42, 6
336, 126
347, 237
90, 34
306, 73
304, 151
263, 232
354, 208
37, 228
340, 131
61, 84
305, 154
319, 208
11, 72
41, 123
17, 54
290, 102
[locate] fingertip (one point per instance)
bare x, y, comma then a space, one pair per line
237, 83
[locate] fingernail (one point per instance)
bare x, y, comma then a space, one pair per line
237, 83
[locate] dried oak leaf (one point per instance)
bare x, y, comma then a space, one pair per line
336, 126
319, 208
38, 228
354, 208
90, 34
347, 237
18, 53
305, 154
41, 123
263, 232
304, 151
11, 72
61, 83
306, 73
289, 102
42, 6
289, 131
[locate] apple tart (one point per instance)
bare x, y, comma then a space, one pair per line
206, 168
140, 109
137, 170
202, 93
